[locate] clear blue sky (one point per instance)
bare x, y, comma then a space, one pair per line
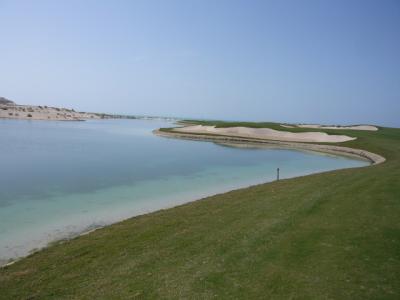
290, 61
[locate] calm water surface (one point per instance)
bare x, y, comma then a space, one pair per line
60, 178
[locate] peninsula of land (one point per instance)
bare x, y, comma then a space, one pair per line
270, 135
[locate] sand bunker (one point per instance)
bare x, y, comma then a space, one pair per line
355, 127
267, 133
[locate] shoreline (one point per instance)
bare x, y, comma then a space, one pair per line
374, 158
191, 199
229, 141
13, 111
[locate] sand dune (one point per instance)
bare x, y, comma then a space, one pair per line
32, 112
267, 133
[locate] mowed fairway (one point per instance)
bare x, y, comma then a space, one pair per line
334, 235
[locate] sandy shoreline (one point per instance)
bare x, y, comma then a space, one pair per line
331, 149
32, 112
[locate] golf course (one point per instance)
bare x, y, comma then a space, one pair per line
332, 235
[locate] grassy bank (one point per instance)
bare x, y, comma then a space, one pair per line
331, 235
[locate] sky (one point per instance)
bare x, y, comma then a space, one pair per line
331, 62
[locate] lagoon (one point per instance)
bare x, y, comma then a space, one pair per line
58, 179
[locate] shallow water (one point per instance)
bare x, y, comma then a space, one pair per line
60, 178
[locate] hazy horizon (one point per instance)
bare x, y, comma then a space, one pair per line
285, 61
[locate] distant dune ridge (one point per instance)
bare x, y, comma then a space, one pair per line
5, 101
10, 110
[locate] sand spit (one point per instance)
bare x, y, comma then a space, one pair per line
267, 133
331, 149
353, 127
31, 112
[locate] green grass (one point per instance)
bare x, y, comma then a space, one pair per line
334, 235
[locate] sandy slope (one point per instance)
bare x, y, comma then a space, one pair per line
31, 112
267, 133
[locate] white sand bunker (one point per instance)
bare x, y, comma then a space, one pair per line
354, 127
267, 133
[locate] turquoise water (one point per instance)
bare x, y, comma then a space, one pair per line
58, 179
